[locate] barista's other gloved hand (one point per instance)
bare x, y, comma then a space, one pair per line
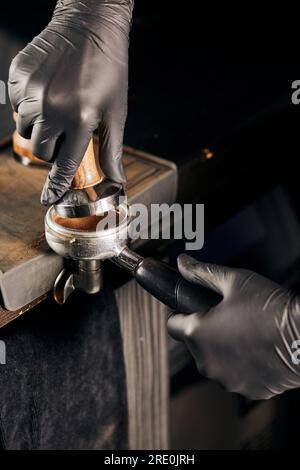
246, 341
67, 80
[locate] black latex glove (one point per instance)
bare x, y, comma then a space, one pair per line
246, 342
67, 80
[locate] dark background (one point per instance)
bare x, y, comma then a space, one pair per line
197, 73
203, 76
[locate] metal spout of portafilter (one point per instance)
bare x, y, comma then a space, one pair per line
87, 276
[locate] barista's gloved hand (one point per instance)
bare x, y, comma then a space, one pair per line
246, 341
67, 80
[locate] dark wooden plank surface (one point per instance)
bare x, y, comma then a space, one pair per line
145, 343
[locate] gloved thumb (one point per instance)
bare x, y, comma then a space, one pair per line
212, 276
179, 325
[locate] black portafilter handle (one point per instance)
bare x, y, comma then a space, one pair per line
167, 285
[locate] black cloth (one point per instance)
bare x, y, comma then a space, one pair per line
63, 385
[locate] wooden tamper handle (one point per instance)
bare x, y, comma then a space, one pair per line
88, 174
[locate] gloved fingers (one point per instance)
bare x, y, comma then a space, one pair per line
15, 89
14, 93
182, 327
176, 326
19, 71
212, 276
111, 133
43, 141
25, 63
24, 124
69, 152
189, 329
28, 112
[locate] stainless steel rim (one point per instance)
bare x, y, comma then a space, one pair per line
95, 200
124, 220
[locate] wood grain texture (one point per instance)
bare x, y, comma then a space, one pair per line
88, 173
143, 324
7, 316
21, 213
